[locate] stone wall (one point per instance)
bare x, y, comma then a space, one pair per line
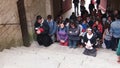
34, 8
10, 32
113, 4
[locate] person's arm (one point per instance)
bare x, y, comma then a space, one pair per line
58, 35
66, 37
45, 28
93, 25
36, 28
85, 38
54, 28
81, 28
74, 33
93, 40
101, 28
104, 35
111, 30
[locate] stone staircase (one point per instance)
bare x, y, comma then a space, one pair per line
55, 56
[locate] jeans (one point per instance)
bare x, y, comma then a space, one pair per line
114, 43
76, 7
107, 43
53, 38
73, 43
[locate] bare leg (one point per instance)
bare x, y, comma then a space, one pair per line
118, 59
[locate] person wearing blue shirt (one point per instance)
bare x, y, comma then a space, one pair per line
52, 27
115, 32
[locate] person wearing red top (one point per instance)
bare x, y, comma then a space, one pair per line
98, 29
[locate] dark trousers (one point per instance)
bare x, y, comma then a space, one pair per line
73, 43
107, 43
76, 8
114, 43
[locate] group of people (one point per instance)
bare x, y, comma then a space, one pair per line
89, 30
82, 6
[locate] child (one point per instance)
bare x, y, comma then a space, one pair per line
89, 41
107, 36
73, 34
62, 34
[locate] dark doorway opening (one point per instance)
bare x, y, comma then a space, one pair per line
61, 6
23, 23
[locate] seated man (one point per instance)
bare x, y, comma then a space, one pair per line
42, 32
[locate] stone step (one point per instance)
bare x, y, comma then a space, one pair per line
55, 56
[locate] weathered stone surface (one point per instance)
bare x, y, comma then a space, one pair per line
55, 56
10, 32
34, 8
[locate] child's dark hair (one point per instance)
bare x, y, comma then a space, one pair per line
49, 17
107, 26
38, 17
72, 22
62, 22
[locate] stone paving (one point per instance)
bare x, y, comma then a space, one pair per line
55, 56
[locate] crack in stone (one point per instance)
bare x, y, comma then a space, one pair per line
59, 65
61, 62
64, 58
82, 62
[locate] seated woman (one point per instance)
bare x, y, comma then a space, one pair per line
42, 32
62, 35
73, 34
89, 41
98, 29
107, 36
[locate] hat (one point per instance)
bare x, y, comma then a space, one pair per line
89, 29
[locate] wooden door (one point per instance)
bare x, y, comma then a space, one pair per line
23, 22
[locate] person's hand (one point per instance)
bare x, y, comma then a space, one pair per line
38, 32
36, 28
70, 31
50, 35
87, 46
76, 31
62, 41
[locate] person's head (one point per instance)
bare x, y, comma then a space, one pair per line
73, 13
115, 12
91, 2
67, 20
88, 18
99, 11
84, 21
39, 19
62, 24
109, 18
97, 22
107, 26
49, 17
60, 18
89, 31
73, 24
79, 18
118, 16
